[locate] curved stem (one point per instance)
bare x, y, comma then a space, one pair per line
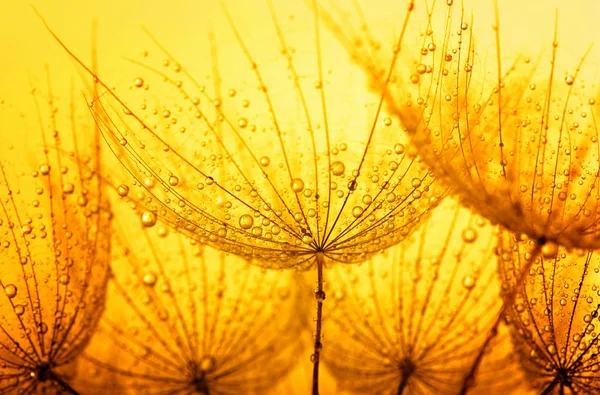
469, 379
320, 297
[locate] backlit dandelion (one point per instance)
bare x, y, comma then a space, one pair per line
412, 320
54, 251
281, 157
515, 134
183, 318
554, 318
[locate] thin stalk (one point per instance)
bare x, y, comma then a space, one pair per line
469, 379
403, 383
548, 390
63, 384
320, 297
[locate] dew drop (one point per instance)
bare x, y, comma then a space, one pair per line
68, 188
297, 185
11, 290
549, 250
265, 161
469, 235
138, 82
468, 282
338, 168
399, 149
19, 310
173, 181
148, 219
149, 279
357, 211
246, 221
45, 169
207, 364
569, 79
123, 190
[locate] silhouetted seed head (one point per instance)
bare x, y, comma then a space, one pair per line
412, 319
514, 133
54, 248
272, 150
554, 318
186, 318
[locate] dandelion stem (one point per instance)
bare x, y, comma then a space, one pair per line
548, 390
469, 379
63, 384
320, 296
403, 383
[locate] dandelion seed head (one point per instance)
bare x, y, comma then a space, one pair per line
501, 115
553, 318
412, 319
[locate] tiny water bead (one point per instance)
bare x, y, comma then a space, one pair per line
148, 219
297, 185
11, 290
138, 82
246, 221
173, 181
123, 190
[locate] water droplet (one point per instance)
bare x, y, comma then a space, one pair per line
338, 168
138, 82
207, 364
469, 235
246, 221
569, 79
468, 282
297, 185
549, 250
149, 279
123, 190
11, 290
265, 161
19, 310
173, 181
68, 188
45, 169
399, 149
148, 219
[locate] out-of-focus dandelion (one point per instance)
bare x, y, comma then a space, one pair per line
54, 248
554, 317
413, 319
286, 159
514, 133
183, 318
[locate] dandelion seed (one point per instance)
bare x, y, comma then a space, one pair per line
413, 319
554, 317
185, 318
54, 264
267, 189
507, 133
